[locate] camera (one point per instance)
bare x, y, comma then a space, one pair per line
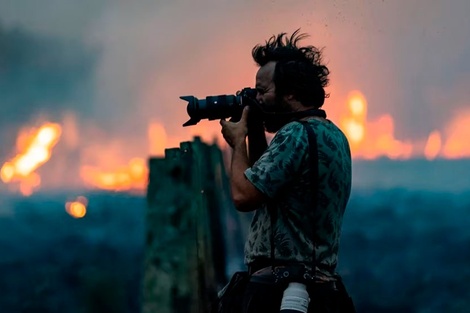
295, 299
219, 107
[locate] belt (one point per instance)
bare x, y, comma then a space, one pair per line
260, 272
260, 264
271, 280
265, 262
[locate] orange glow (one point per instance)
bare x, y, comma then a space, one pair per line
35, 147
433, 145
157, 139
133, 176
7, 172
109, 163
77, 208
29, 183
354, 123
357, 104
354, 129
456, 143
371, 139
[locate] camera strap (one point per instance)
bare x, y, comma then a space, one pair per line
314, 173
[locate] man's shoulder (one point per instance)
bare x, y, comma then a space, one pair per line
291, 127
326, 127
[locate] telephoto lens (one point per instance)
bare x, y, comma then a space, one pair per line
295, 299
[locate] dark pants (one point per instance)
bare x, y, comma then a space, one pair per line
266, 298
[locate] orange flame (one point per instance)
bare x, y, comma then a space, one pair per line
34, 148
371, 139
433, 145
133, 176
457, 144
77, 208
103, 162
354, 124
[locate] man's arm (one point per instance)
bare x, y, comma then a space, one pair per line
245, 195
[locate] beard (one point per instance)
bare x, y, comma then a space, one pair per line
275, 116
272, 123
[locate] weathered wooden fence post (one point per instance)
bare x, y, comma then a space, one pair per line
188, 205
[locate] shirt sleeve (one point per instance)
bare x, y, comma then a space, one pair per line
281, 160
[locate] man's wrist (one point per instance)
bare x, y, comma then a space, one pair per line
239, 145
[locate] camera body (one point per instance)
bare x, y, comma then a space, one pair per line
219, 107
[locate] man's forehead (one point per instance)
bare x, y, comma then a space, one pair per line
266, 72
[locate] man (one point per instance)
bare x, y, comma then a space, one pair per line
298, 216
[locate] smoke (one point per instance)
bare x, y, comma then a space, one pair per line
125, 64
41, 78
394, 52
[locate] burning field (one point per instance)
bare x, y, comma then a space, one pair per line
88, 95
101, 165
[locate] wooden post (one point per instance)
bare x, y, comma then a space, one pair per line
188, 206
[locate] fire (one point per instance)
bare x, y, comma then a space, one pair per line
354, 124
103, 162
433, 145
77, 208
34, 149
132, 176
457, 144
371, 139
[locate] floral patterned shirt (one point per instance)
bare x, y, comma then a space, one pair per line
283, 174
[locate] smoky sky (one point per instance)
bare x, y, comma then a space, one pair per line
126, 63
41, 76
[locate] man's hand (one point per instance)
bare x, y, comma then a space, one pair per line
245, 196
235, 133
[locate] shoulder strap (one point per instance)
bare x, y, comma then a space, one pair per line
315, 179
313, 154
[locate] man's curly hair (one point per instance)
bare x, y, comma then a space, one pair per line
299, 70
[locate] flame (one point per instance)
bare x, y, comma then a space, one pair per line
35, 147
102, 162
433, 145
77, 208
132, 176
457, 144
355, 130
354, 124
371, 139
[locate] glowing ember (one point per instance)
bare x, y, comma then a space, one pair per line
77, 208
34, 148
130, 177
